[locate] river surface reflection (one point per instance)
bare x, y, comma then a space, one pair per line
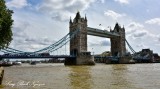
100, 76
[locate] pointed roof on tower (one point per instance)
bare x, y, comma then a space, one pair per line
70, 20
117, 27
78, 16
85, 18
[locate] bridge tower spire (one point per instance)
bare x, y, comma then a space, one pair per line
78, 45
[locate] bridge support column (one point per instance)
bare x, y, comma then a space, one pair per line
118, 47
78, 44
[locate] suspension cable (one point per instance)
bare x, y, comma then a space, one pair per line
130, 47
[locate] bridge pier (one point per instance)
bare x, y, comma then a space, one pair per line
70, 61
85, 58
125, 60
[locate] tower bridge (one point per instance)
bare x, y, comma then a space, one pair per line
77, 36
78, 45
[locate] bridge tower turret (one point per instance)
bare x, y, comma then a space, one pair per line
118, 47
78, 44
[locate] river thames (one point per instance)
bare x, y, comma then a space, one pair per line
100, 76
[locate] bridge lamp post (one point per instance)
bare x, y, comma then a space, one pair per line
57, 52
65, 49
93, 51
60, 52
53, 53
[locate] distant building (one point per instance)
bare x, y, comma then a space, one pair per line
156, 57
146, 55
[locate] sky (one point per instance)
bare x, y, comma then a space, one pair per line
40, 23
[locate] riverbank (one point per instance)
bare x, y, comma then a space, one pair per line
1, 75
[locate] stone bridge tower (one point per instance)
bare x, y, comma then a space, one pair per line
118, 47
78, 44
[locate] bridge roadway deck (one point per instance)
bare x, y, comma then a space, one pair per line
27, 56
101, 33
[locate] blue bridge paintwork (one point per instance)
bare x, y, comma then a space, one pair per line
35, 56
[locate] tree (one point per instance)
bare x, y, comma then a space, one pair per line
5, 25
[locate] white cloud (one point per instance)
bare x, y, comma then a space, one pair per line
122, 1
102, 1
158, 38
31, 44
100, 43
114, 15
140, 33
41, 41
17, 3
19, 28
35, 47
136, 30
141, 46
63, 9
25, 42
105, 43
135, 25
153, 21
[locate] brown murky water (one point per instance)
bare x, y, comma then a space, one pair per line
100, 76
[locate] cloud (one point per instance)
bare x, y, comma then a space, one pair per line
22, 41
153, 21
158, 38
19, 34
93, 44
114, 15
140, 33
41, 41
35, 47
31, 44
102, 1
17, 3
105, 43
136, 30
100, 43
63, 9
141, 46
135, 25
19, 29
122, 1
38, 43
